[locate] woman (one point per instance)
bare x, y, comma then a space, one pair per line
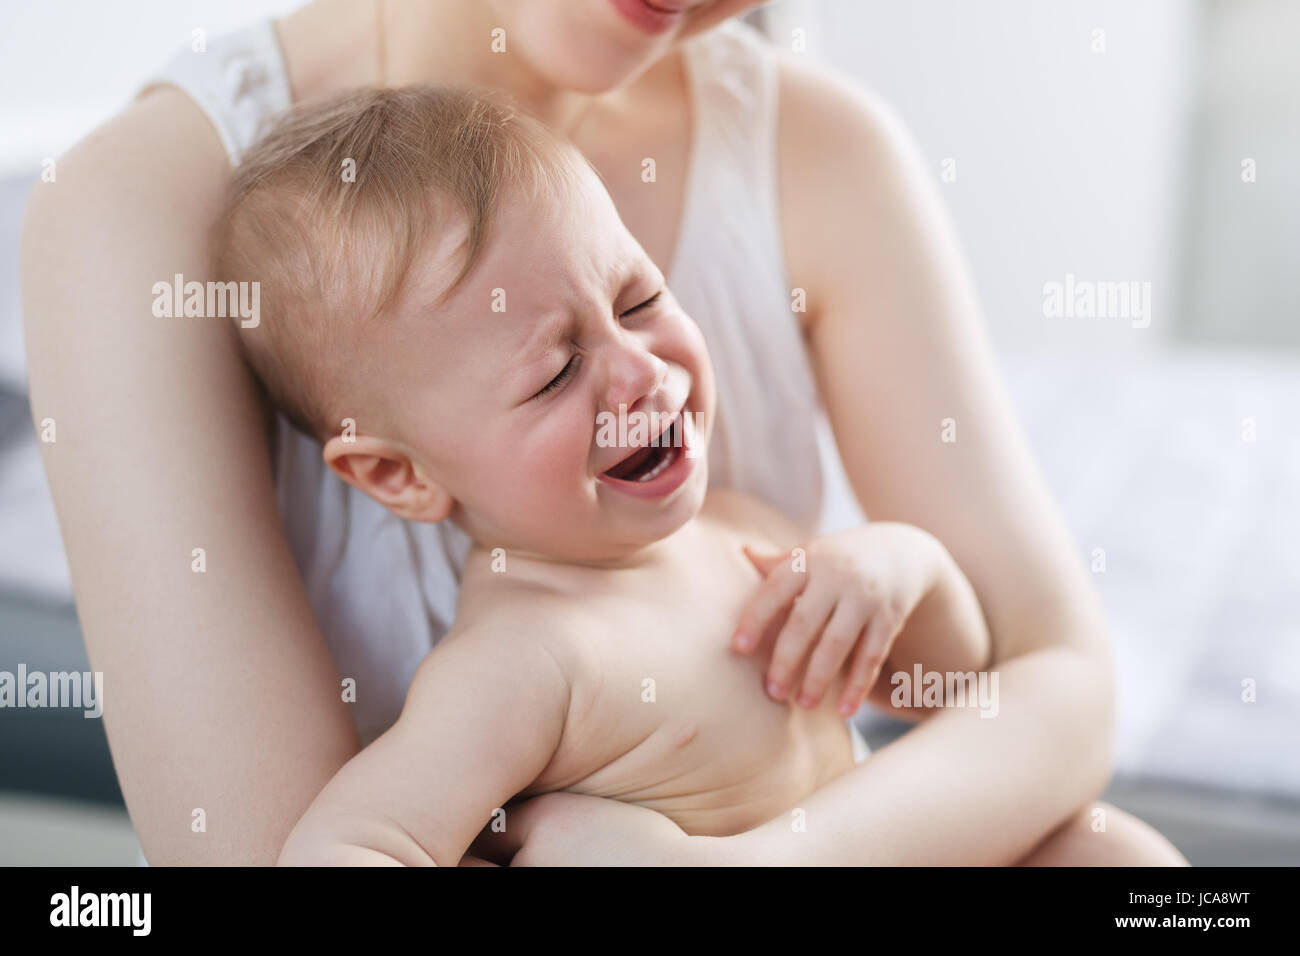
185, 577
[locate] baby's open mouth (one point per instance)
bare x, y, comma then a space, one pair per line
646, 464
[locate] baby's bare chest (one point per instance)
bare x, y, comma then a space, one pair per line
666, 715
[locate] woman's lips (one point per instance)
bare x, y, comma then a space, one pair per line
657, 17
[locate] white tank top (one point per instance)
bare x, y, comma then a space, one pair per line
383, 589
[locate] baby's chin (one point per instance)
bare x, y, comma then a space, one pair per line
617, 531
629, 533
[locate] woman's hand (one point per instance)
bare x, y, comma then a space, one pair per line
569, 829
852, 589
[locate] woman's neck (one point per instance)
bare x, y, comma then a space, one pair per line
451, 41
349, 43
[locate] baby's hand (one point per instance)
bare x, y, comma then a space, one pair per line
851, 589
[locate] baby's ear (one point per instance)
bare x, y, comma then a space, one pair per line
386, 473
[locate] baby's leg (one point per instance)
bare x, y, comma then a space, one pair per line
1125, 841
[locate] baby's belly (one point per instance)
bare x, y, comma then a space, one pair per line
714, 777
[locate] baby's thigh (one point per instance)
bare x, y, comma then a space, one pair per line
1124, 841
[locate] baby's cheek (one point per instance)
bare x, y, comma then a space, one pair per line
548, 473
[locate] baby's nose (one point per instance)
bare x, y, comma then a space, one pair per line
633, 379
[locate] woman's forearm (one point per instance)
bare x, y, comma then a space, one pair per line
960, 788
895, 327
946, 632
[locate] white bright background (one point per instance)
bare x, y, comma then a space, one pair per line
1067, 160
67, 65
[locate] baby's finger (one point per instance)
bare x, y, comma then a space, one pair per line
763, 563
836, 644
807, 617
856, 686
867, 663
881, 633
503, 837
772, 596
496, 846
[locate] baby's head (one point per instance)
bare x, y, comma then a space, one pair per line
441, 270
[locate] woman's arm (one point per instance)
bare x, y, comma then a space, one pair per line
898, 347
955, 790
220, 692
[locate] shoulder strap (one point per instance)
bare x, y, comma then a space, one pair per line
239, 80
734, 84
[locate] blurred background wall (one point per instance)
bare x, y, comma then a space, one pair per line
1068, 158
67, 65
1240, 246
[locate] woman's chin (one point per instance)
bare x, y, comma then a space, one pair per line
589, 60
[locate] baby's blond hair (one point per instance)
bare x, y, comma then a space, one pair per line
329, 210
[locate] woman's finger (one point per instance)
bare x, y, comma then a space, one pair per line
807, 617
778, 589
837, 641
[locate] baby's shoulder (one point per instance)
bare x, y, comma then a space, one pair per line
519, 612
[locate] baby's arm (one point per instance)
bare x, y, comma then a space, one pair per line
482, 719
